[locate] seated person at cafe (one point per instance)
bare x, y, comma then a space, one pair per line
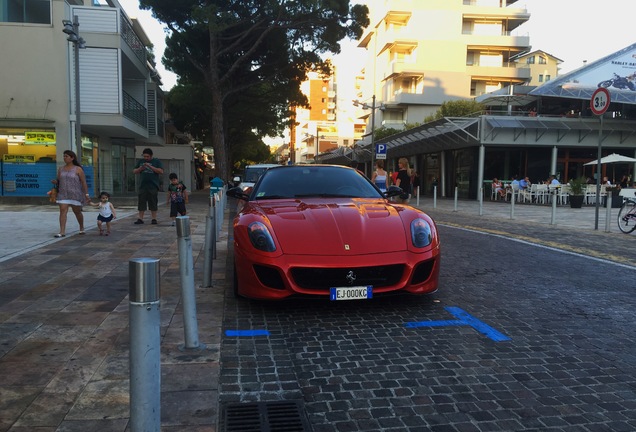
552, 181
524, 183
497, 186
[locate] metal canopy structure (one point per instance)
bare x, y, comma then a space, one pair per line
447, 133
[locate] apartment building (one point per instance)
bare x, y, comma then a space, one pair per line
315, 129
424, 53
543, 66
45, 46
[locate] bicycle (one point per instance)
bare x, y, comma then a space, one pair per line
627, 216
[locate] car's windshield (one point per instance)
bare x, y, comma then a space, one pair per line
306, 181
252, 174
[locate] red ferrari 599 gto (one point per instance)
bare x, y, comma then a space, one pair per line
327, 231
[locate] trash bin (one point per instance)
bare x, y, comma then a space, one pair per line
216, 184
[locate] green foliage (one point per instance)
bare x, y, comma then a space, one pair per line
578, 186
383, 132
456, 108
240, 63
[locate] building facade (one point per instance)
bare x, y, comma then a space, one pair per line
424, 53
538, 132
543, 66
61, 56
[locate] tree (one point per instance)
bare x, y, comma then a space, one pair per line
456, 108
254, 52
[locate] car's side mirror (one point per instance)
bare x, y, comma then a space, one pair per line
393, 191
237, 192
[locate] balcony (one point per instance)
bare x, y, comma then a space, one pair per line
403, 98
118, 76
394, 124
404, 69
505, 71
475, 41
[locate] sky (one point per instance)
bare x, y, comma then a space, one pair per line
571, 30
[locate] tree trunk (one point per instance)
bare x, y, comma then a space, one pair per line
221, 153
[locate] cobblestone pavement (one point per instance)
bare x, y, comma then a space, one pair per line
64, 321
64, 336
568, 365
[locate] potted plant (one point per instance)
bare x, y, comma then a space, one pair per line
577, 192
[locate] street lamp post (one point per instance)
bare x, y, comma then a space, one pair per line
372, 108
71, 28
372, 133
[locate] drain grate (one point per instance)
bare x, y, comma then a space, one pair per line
277, 416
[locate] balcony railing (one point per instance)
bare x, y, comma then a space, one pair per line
135, 111
131, 39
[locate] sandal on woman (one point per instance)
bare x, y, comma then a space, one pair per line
59, 235
107, 233
101, 232
82, 232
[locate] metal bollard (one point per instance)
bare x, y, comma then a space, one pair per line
481, 201
554, 206
434, 196
216, 224
512, 204
455, 206
608, 211
209, 245
145, 345
186, 269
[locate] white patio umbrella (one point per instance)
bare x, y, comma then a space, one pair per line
613, 159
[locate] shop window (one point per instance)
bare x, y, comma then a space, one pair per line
26, 11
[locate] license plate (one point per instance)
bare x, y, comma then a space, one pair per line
351, 293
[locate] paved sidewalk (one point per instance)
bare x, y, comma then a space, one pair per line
64, 322
64, 307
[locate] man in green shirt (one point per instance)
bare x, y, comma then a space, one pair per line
149, 169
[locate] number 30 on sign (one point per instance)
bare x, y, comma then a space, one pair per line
600, 101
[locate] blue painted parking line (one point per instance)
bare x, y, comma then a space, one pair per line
463, 318
239, 333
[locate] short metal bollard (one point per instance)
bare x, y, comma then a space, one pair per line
554, 207
210, 236
434, 196
455, 204
186, 270
145, 345
608, 211
512, 204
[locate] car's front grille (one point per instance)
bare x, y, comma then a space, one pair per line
325, 278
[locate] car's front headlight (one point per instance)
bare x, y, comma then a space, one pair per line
421, 233
260, 237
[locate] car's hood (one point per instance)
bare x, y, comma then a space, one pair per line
338, 227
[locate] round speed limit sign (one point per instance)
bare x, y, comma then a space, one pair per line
600, 101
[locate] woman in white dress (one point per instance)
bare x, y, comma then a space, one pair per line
380, 176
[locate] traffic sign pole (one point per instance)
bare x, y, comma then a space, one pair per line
599, 103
